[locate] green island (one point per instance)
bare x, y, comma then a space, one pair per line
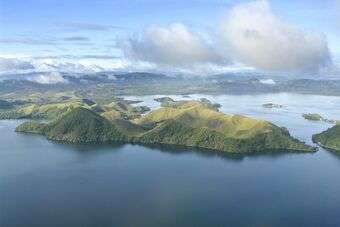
329, 139
196, 124
312, 117
271, 105
317, 117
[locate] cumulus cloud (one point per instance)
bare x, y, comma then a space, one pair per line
255, 36
173, 45
251, 35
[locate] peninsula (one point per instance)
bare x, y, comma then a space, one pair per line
329, 139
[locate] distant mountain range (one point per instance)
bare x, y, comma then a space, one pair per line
137, 83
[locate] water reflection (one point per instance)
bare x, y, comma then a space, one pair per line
97, 149
89, 149
44, 183
208, 153
335, 154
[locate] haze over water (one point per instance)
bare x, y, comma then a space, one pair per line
43, 183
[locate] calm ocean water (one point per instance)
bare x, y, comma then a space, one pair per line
43, 183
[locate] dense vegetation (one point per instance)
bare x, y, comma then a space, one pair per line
312, 117
50, 111
329, 139
40, 111
317, 117
189, 123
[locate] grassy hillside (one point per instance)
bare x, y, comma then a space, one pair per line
122, 109
32, 127
41, 111
195, 124
329, 139
197, 115
190, 123
50, 111
80, 125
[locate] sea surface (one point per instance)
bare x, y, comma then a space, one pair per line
43, 183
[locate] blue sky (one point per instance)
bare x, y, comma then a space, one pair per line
92, 28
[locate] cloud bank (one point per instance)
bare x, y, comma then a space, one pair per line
29, 65
8, 64
250, 37
48, 78
255, 36
250, 34
173, 45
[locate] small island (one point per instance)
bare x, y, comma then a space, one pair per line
272, 105
329, 139
317, 117
185, 123
312, 117
164, 99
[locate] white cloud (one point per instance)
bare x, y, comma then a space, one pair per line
252, 38
48, 78
174, 45
255, 36
268, 81
14, 64
30, 64
57, 65
252, 35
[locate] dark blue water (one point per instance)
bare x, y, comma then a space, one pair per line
48, 184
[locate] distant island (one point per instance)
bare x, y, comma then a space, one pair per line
329, 139
271, 105
317, 117
186, 123
164, 99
